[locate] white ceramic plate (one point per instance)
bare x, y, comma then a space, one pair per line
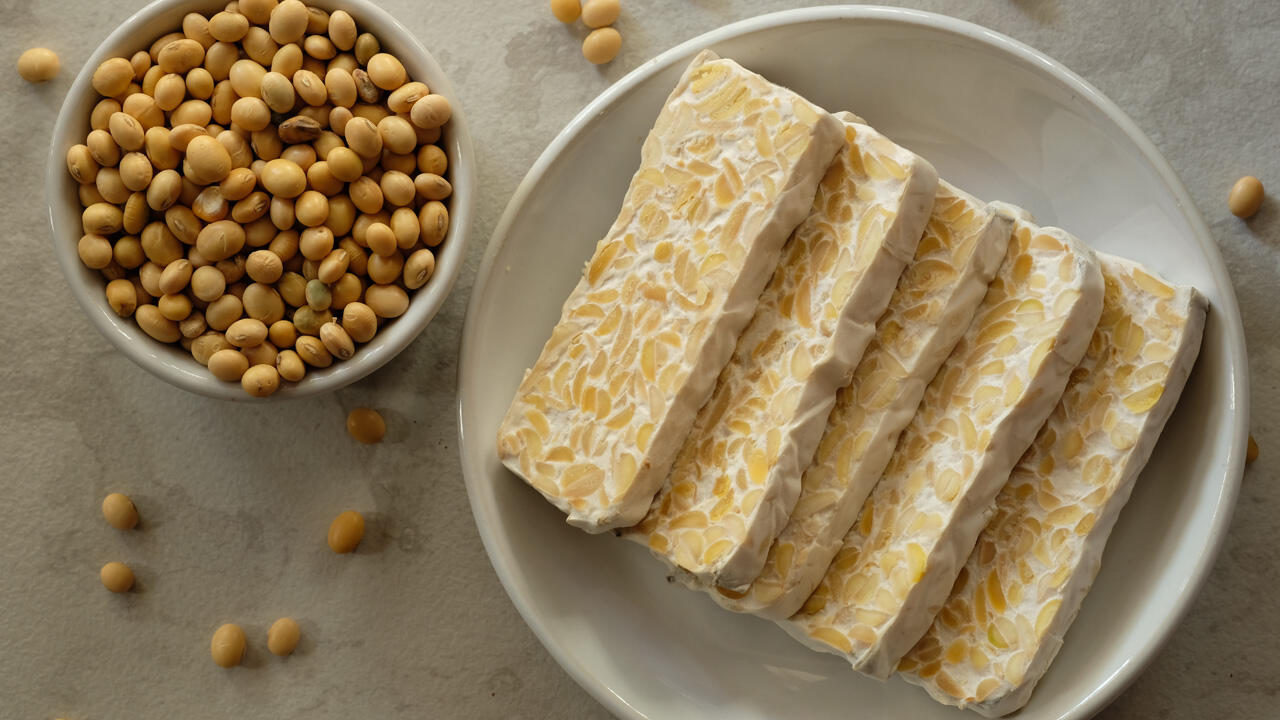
996, 118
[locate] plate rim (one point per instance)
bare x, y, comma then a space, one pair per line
1228, 315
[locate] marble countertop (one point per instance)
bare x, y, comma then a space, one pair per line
236, 498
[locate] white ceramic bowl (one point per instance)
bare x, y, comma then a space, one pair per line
997, 118
171, 362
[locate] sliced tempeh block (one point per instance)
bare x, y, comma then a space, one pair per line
727, 172
737, 477
978, 416
1024, 581
936, 298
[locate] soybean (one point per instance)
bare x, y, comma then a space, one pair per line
237, 185
418, 268
119, 510
347, 530
385, 269
366, 195
180, 56
144, 109
258, 11
431, 111
228, 27
363, 137
310, 88
316, 243
110, 186
112, 77
333, 266
251, 113
227, 645
176, 275
122, 297
387, 301
345, 164
367, 427
601, 45
403, 98
126, 130
204, 347
102, 112
223, 311
312, 351
196, 27
386, 71
311, 208
337, 341
102, 147
319, 47
348, 289
220, 240
434, 220
259, 45
228, 364
158, 144
95, 251
260, 380
208, 160
290, 366
282, 333
360, 322
283, 636
175, 308
263, 302
207, 283
1246, 196
128, 252
342, 30
102, 219
277, 92
264, 266
37, 65
600, 13
283, 178
366, 46
288, 22
135, 171
262, 354
247, 332
116, 577
432, 187
287, 60
200, 81
193, 325
339, 117
81, 164
155, 324
566, 11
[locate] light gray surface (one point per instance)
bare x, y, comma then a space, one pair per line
236, 498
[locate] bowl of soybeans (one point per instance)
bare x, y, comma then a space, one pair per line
262, 198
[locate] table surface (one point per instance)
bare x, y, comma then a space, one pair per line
236, 498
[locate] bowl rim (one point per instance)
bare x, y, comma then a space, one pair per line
1227, 315
158, 358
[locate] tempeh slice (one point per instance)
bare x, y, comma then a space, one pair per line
727, 172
